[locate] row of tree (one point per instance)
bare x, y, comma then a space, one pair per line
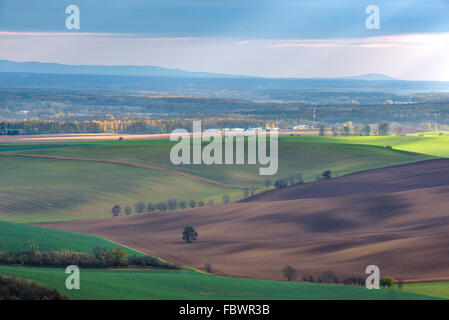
291, 179
171, 204
99, 258
290, 273
18, 127
383, 129
296, 178
12, 288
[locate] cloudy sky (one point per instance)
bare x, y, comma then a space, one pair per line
278, 38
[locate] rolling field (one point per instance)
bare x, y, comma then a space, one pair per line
394, 217
431, 145
308, 155
19, 237
47, 190
434, 289
188, 284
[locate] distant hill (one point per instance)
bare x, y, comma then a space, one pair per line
129, 70
370, 77
124, 70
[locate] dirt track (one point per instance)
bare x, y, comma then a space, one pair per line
396, 218
130, 164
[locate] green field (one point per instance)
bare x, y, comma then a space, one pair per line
188, 284
33, 190
431, 145
434, 289
308, 155
36, 190
19, 237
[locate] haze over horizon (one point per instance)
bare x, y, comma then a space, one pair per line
282, 39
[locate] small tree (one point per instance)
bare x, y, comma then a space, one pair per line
162, 206
366, 130
118, 256
267, 183
127, 210
151, 207
327, 174
334, 131
172, 204
400, 284
281, 183
116, 210
192, 204
200, 203
208, 268
289, 273
210, 202
189, 234
139, 207
182, 204
291, 178
226, 198
322, 130
383, 129
386, 282
299, 178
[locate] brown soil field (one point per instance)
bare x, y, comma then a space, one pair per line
396, 218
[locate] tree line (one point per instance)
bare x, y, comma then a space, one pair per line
20, 127
99, 258
171, 204
382, 129
328, 276
12, 288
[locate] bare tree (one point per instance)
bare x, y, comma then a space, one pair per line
172, 204
139, 207
289, 273
151, 207
127, 210
162, 206
208, 268
267, 183
291, 178
226, 198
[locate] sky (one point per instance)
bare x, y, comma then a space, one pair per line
278, 38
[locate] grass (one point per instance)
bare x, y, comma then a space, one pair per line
308, 155
430, 145
17, 237
434, 289
188, 284
36, 190
429, 133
